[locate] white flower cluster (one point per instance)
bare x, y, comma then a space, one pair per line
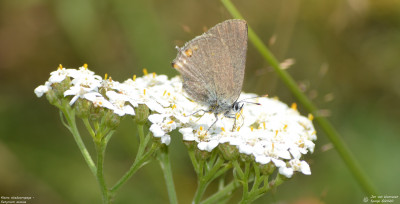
271, 132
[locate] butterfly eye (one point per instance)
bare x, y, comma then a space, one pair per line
236, 107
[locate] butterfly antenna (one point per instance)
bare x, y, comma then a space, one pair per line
255, 103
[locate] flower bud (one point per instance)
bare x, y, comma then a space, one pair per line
112, 120
60, 88
191, 145
96, 113
267, 169
202, 155
229, 152
52, 97
142, 113
82, 108
246, 157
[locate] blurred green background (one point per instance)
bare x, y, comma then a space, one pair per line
347, 55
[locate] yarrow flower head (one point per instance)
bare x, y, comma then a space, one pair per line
270, 133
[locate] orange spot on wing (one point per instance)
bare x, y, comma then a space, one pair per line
188, 52
174, 65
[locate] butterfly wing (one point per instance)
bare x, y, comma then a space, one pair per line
233, 33
199, 62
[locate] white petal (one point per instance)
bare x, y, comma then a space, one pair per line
70, 92
211, 145
202, 145
154, 106
263, 159
156, 118
40, 90
113, 96
128, 110
288, 172
245, 149
278, 163
156, 130
166, 139
73, 100
305, 168
295, 153
92, 96
310, 145
284, 154
119, 112
235, 141
58, 76
133, 103
187, 134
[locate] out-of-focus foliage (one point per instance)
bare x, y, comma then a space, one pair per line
347, 62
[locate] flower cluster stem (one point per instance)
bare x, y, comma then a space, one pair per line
165, 164
207, 171
69, 115
140, 160
97, 171
101, 136
222, 193
100, 148
325, 125
201, 188
250, 174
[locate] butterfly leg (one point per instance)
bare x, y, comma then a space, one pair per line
216, 119
204, 112
228, 115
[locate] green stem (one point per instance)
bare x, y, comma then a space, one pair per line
206, 175
245, 183
222, 171
89, 127
324, 124
193, 159
166, 167
211, 160
201, 169
238, 170
139, 160
222, 193
211, 173
108, 136
101, 148
255, 191
69, 114
202, 183
141, 132
257, 179
142, 140
135, 166
266, 184
201, 188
